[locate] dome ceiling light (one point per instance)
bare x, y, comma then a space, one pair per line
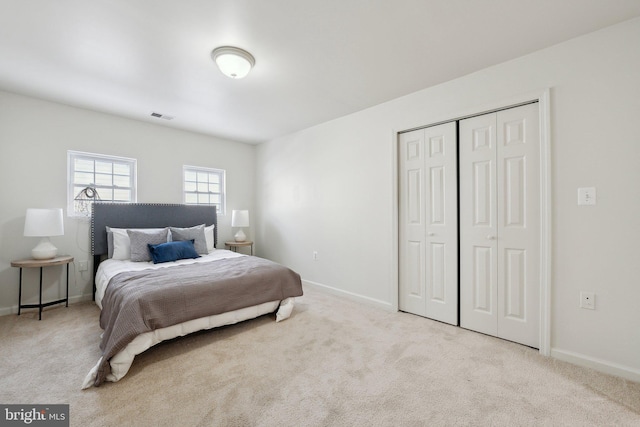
233, 61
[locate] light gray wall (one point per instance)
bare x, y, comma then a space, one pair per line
329, 189
34, 138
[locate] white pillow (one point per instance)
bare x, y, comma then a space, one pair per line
121, 246
286, 307
208, 235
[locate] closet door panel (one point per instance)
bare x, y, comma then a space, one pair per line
518, 187
478, 228
412, 219
442, 224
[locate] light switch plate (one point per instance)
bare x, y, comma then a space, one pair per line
586, 196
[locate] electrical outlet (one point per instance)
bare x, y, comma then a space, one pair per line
315, 255
83, 266
588, 300
587, 196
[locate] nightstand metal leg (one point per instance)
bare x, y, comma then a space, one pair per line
20, 293
67, 301
40, 308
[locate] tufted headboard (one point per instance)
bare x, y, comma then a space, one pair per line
144, 215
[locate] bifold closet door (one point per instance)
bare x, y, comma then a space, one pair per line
428, 223
499, 224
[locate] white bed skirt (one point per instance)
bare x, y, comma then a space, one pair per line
121, 362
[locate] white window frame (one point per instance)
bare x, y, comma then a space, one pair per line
72, 185
221, 173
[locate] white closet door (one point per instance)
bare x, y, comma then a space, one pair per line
428, 223
478, 225
518, 189
499, 224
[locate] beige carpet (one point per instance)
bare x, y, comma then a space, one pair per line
334, 363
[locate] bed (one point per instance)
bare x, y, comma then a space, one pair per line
158, 276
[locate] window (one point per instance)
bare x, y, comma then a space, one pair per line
204, 186
111, 179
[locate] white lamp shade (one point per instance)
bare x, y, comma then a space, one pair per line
240, 218
43, 222
232, 61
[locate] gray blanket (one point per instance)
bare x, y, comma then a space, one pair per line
138, 302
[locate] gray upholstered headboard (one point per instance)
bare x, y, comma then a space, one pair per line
144, 215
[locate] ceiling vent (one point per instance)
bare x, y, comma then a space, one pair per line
161, 116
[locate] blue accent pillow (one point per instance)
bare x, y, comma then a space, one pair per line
173, 251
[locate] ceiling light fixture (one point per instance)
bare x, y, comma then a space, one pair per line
233, 61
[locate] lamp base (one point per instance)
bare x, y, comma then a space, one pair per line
44, 250
240, 236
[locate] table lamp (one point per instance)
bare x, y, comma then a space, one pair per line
44, 223
240, 219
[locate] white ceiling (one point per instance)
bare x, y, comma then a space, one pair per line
316, 60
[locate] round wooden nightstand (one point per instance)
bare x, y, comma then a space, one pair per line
233, 245
41, 263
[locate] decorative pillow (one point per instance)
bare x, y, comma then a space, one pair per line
120, 244
208, 235
140, 241
192, 233
173, 251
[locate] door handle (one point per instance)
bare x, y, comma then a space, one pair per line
491, 237
431, 233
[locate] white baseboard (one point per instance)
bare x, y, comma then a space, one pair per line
600, 365
355, 297
5, 311
80, 298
